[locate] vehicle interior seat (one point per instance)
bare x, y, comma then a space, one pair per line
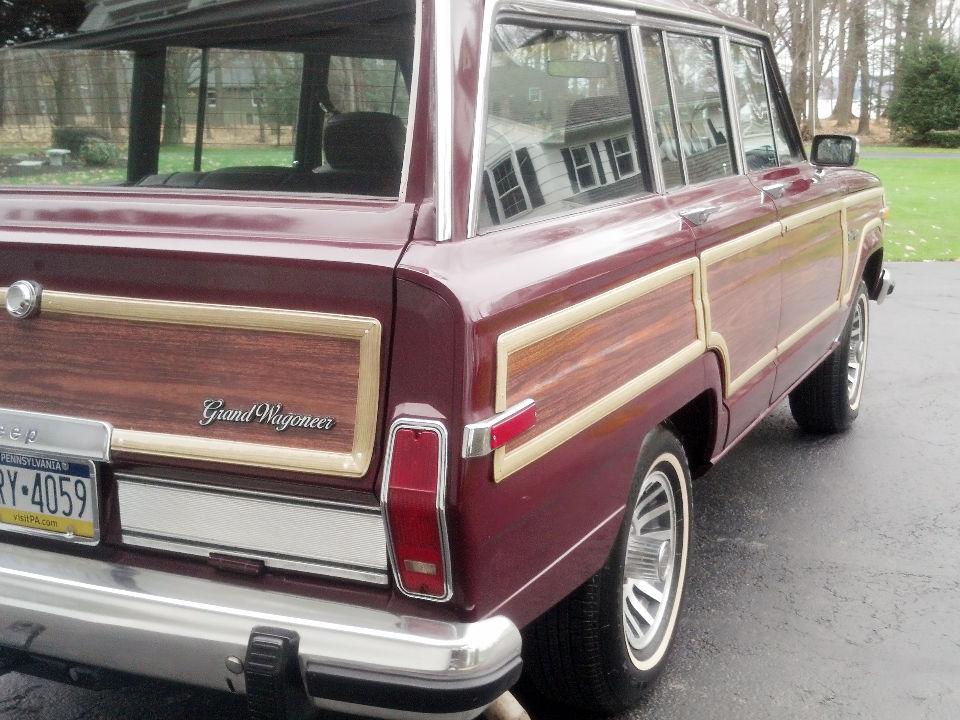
364, 156
363, 153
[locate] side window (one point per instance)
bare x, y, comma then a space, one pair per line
753, 108
561, 125
787, 150
668, 146
704, 128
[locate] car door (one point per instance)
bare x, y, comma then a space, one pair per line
736, 227
810, 207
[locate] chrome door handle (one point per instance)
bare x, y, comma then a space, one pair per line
775, 191
699, 215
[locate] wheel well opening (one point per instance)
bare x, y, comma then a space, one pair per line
871, 273
695, 425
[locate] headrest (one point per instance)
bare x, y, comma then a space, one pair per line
364, 141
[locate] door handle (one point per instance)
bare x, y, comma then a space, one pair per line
698, 215
776, 190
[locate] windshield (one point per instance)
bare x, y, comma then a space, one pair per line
323, 114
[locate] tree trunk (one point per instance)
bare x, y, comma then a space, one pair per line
799, 49
175, 87
61, 80
3, 89
843, 108
115, 104
918, 21
858, 39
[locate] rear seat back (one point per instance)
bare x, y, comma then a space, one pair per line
363, 152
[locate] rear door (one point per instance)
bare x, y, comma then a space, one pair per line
736, 227
809, 203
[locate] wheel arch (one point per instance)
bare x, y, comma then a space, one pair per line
696, 426
871, 272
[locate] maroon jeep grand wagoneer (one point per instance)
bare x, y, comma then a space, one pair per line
361, 352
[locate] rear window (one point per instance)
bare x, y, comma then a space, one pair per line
282, 114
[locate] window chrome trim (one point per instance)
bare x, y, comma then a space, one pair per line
413, 115
438, 427
532, 9
667, 10
646, 110
671, 88
443, 73
733, 113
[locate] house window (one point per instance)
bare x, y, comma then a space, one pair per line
512, 201
211, 98
583, 168
623, 156
535, 95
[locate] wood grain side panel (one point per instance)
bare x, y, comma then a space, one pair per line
743, 295
812, 272
148, 376
571, 369
582, 363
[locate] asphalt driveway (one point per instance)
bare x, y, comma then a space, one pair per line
826, 576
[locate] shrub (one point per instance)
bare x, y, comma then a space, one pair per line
944, 138
72, 138
98, 153
927, 96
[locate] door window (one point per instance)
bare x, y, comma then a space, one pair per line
753, 108
668, 144
561, 124
787, 149
704, 127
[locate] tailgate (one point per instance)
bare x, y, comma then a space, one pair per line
234, 335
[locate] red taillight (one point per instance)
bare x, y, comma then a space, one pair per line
413, 496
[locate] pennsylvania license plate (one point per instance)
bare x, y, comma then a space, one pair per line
49, 496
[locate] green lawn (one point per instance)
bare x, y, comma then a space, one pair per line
172, 159
899, 149
922, 192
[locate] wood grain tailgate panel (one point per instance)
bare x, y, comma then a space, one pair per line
149, 375
154, 378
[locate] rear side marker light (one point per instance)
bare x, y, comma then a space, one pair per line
483, 438
413, 497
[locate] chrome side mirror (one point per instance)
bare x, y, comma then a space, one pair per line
835, 151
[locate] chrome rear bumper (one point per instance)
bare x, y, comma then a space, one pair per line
184, 629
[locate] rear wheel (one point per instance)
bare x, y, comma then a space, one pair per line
828, 400
603, 644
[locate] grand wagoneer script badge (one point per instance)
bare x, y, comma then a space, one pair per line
215, 411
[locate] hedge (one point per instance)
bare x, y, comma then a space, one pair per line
944, 138
72, 138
